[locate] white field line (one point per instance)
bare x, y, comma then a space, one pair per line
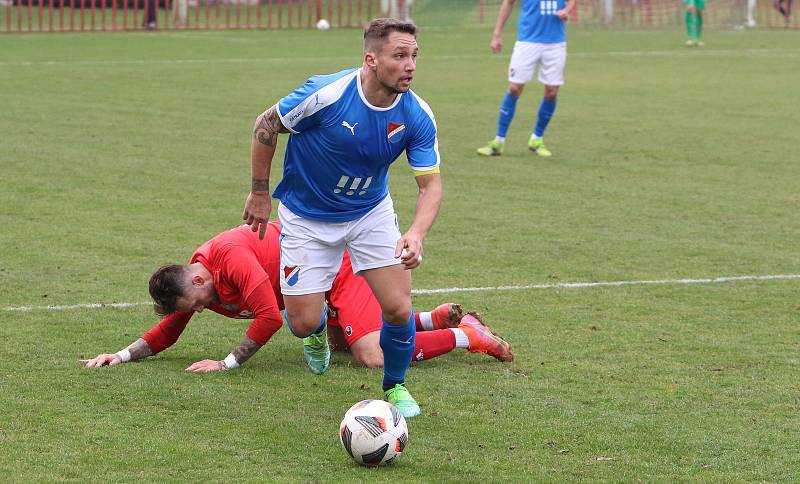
563, 285
285, 60
578, 285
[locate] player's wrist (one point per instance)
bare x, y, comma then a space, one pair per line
230, 362
124, 355
259, 186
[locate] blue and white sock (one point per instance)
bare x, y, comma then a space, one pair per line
546, 110
507, 109
397, 343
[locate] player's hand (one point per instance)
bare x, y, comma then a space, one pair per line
496, 44
102, 360
563, 14
256, 212
207, 366
409, 250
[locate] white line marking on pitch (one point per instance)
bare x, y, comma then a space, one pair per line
563, 285
577, 285
284, 60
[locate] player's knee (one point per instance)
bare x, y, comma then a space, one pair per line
397, 313
515, 89
302, 322
550, 92
370, 359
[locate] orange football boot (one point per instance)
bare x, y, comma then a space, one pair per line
483, 340
447, 315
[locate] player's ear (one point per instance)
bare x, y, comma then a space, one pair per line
369, 59
198, 280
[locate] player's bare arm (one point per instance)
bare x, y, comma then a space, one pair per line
497, 36
265, 138
135, 351
245, 350
238, 356
563, 14
409, 247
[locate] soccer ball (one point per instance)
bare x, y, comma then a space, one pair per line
373, 432
323, 24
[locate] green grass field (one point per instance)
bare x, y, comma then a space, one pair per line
120, 152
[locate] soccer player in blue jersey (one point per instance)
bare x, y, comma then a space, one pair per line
346, 130
542, 42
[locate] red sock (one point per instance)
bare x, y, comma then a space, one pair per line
417, 321
430, 344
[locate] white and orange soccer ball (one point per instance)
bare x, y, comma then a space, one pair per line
373, 432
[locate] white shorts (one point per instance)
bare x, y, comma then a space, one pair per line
311, 251
551, 59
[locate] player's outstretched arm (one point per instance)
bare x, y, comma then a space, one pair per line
409, 247
135, 351
502, 16
238, 356
262, 148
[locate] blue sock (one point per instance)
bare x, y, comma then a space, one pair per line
323, 319
546, 110
507, 109
397, 343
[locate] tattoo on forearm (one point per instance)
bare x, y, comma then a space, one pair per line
245, 350
140, 349
267, 128
259, 185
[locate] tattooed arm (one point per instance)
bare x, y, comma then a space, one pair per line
135, 351
262, 148
238, 356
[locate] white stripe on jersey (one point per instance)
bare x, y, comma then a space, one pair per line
425, 107
325, 96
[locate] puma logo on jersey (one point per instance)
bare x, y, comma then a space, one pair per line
351, 128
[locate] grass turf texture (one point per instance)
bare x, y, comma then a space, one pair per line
121, 152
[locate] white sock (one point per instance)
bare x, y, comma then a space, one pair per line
533, 136
462, 341
501, 139
426, 320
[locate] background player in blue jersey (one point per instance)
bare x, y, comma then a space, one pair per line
346, 129
541, 41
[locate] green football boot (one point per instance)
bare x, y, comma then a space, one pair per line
493, 148
402, 399
538, 147
317, 352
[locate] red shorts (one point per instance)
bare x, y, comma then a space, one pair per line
354, 307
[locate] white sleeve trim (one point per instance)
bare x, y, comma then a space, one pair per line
425, 107
323, 97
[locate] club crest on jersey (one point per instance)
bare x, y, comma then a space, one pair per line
291, 274
395, 132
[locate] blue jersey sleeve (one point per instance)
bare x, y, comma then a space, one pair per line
297, 110
423, 147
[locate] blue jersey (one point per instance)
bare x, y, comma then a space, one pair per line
538, 22
337, 160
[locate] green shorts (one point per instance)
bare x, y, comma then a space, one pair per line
698, 4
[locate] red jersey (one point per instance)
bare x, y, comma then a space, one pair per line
245, 272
